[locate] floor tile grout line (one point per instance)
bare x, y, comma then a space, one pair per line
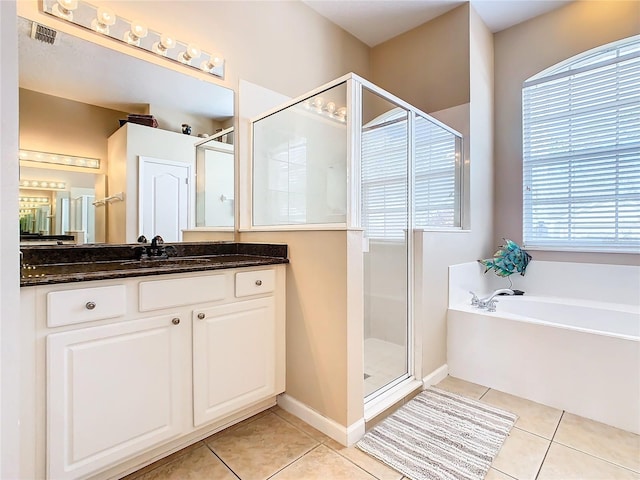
329, 447
299, 429
138, 473
269, 411
504, 473
549, 447
486, 391
293, 461
360, 466
597, 457
222, 461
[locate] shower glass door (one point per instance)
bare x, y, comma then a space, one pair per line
385, 219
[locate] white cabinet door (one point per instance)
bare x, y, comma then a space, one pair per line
164, 198
113, 391
234, 352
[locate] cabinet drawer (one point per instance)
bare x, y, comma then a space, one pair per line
254, 283
160, 294
85, 305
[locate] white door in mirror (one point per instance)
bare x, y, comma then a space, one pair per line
164, 197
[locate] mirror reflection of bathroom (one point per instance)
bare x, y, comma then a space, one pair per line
215, 181
58, 206
91, 118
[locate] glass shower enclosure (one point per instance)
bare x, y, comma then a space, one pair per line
349, 155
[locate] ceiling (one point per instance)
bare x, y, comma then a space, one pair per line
376, 21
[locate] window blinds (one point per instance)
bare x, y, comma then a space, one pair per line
385, 176
581, 154
385, 211
437, 178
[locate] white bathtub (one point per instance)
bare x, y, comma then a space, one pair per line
575, 355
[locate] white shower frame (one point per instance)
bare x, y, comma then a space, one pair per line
385, 397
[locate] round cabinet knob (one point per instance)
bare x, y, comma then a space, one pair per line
201, 316
175, 321
258, 282
90, 305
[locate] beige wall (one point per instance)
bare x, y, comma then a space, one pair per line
522, 51
429, 65
317, 364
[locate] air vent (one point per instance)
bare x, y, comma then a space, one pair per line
42, 33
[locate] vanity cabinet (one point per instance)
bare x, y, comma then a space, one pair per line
233, 357
108, 395
113, 391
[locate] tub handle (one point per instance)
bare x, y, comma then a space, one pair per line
491, 305
475, 301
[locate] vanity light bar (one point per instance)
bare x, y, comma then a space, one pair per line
42, 184
104, 21
59, 159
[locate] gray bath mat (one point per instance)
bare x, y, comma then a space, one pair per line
439, 435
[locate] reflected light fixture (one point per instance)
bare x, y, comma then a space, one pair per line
192, 52
104, 19
327, 109
59, 159
137, 31
64, 9
165, 43
42, 184
34, 200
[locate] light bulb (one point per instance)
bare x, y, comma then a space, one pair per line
331, 107
215, 60
318, 102
166, 42
138, 30
64, 9
190, 53
104, 20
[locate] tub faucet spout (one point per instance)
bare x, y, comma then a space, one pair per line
489, 302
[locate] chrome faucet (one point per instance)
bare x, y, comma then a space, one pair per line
489, 303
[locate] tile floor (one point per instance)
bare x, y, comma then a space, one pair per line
545, 444
383, 362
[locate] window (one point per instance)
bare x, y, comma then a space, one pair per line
385, 176
581, 152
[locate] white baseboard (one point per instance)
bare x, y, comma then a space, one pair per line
344, 435
436, 376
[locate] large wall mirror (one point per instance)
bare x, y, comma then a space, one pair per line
105, 135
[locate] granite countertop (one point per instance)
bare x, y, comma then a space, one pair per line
45, 265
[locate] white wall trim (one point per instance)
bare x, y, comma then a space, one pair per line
436, 376
341, 434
